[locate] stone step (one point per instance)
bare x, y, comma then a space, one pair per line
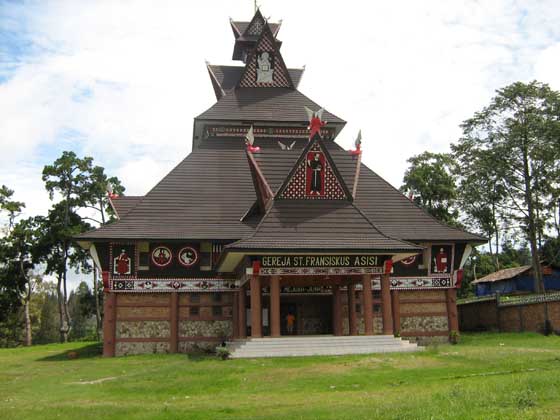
324, 352
304, 345
318, 345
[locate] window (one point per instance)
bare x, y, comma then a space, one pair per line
217, 297
358, 308
195, 298
216, 310
376, 308
377, 294
193, 311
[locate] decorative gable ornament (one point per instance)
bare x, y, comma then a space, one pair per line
250, 140
358, 143
314, 176
315, 121
256, 25
265, 66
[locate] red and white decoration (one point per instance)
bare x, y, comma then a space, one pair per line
122, 264
299, 187
187, 256
315, 121
161, 256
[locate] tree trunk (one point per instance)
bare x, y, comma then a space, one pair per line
65, 296
28, 338
97, 309
531, 225
62, 328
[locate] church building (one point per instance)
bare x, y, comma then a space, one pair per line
269, 230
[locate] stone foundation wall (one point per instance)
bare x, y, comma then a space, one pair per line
146, 322
423, 316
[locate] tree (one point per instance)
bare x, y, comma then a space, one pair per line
430, 181
55, 249
519, 133
13, 208
480, 195
16, 254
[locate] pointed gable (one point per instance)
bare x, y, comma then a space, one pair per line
265, 66
256, 26
314, 176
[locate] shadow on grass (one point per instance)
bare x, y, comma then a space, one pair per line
85, 352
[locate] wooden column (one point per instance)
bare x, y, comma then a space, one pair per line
174, 321
451, 298
275, 306
367, 304
337, 310
352, 320
109, 324
386, 304
235, 315
256, 307
396, 304
242, 313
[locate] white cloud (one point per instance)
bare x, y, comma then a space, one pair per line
122, 81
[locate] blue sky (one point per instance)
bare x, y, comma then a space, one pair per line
121, 81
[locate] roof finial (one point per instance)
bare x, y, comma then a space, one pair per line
315, 121
358, 144
256, 7
250, 140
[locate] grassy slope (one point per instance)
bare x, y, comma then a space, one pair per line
488, 376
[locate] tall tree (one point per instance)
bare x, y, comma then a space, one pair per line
57, 252
69, 177
430, 181
17, 261
519, 131
480, 195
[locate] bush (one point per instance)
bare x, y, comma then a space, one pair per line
222, 352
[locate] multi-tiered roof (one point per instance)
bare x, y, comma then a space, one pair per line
257, 201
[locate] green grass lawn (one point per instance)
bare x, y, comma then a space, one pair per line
487, 376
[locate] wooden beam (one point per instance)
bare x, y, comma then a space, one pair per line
367, 304
174, 321
256, 307
396, 306
352, 319
275, 306
337, 310
386, 304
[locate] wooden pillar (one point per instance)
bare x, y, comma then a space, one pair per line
451, 298
367, 304
275, 306
242, 313
386, 304
235, 315
352, 324
396, 305
109, 324
174, 321
337, 310
256, 307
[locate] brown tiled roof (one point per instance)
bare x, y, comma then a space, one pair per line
505, 274
314, 224
265, 104
206, 195
228, 76
124, 204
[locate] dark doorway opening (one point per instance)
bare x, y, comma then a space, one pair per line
310, 315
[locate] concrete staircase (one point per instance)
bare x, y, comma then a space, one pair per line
318, 345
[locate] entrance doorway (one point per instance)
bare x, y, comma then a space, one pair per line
312, 315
